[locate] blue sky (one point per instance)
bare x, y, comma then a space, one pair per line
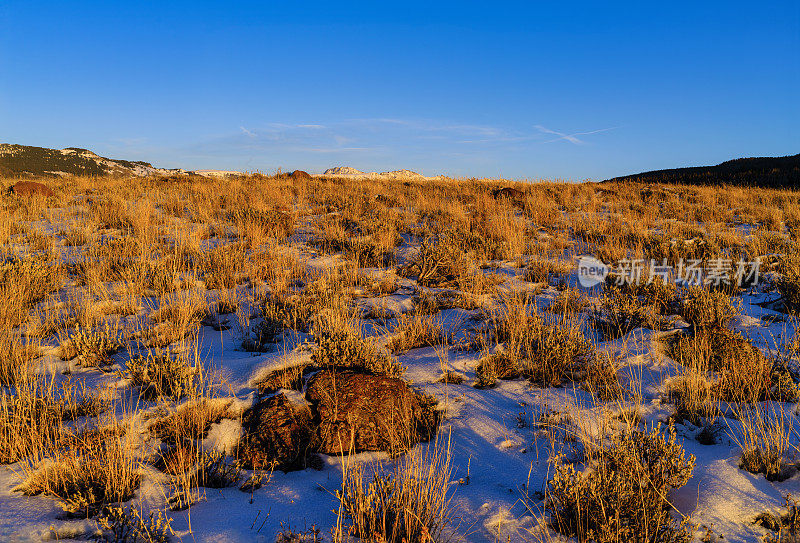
521, 90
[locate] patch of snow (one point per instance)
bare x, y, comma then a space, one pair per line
223, 436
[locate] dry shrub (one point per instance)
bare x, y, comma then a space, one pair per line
33, 409
182, 458
76, 237
693, 396
620, 312
498, 365
128, 525
767, 440
428, 303
293, 310
15, 358
742, 371
788, 283
227, 303
410, 503
24, 282
341, 343
253, 223
440, 262
191, 420
30, 420
159, 275
704, 308
161, 373
787, 526
763, 243
288, 535
262, 335
289, 377
179, 315
215, 471
569, 300
661, 247
110, 259
546, 271
364, 250
602, 380
100, 469
414, 330
546, 348
651, 291
621, 494
95, 345
221, 267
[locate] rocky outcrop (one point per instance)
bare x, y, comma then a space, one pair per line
277, 434
300, 174
31, 188
362, 412
347, 411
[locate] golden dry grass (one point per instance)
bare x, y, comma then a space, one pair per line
151, 260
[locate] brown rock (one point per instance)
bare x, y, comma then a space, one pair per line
363, 412
300, 174
30, 188
277, 433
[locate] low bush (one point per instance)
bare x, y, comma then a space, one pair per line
161, 373
412, 503
620, 312
127, 525
704, 308
499, 365
95, 345
98, 471
15, 358
622, 492
414, 330
341, 343
569, 300
767, 440
544, 348
742, 372
788, 283
440, 262
23, 283
546, 271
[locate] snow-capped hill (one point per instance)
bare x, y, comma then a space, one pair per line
41, 161
217, 173
343, 170
350, 173
402, 174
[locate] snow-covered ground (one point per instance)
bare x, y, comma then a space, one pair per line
499, 453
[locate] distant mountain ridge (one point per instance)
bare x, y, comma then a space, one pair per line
27, 160
769, 172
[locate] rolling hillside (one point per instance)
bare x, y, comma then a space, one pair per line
770, 172
26, 160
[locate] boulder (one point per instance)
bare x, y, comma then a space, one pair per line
363, 412
277, 433
300, 174
30, 188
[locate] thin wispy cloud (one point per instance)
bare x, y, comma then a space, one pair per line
572, 138
379, 143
